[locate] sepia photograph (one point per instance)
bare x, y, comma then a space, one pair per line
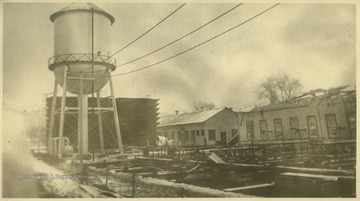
178, 99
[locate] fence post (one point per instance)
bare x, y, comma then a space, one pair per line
133, 184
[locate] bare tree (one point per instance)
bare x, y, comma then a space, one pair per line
278, 88
202, 105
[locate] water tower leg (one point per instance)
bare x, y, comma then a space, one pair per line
83, 122
62, 116
83, 126
100, 122
116, 118
52, 118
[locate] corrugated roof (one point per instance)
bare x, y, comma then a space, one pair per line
189, 118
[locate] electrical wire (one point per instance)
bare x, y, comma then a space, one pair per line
149, 30
198, 45
136, 38
195, 30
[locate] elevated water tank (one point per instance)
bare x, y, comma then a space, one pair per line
77, 28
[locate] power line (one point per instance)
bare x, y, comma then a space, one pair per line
159, 62
180, 37
149, 30
134, 40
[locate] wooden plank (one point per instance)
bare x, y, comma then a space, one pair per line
329, 155
167, 160
249, 187
313, 176
313, 170
336, 165
240, 165
216, 158
340, 142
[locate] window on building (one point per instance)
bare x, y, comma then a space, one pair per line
234, 132
331, 125
197, 133
294, 122
191, 134
192, 137
187, 135
278, 129
172, 134
312, 126
202, 132
263, 130
179, 136
250, 130
212, 135
294, 127
352, 123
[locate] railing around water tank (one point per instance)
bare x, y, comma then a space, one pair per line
76, 57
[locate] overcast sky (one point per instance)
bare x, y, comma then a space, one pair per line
312, 42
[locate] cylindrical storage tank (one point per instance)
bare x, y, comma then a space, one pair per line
79, 30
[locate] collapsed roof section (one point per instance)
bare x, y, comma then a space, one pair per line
309, 98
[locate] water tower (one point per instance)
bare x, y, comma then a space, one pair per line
82, 66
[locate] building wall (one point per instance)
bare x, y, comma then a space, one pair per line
319, 110
224, 121
335, 107
179, 132
269, 116
349, 101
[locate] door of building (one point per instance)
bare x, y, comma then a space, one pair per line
312, 127
223, 138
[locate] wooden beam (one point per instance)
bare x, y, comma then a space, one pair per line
313, 170
312, 176
78, 78
249, 187
95, 108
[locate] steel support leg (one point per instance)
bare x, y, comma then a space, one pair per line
62, 115
52, 119
100, 122
116, 118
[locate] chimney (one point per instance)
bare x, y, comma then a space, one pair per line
177, 112
201, 109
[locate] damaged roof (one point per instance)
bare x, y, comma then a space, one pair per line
290, 104
308, 98
188, 118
